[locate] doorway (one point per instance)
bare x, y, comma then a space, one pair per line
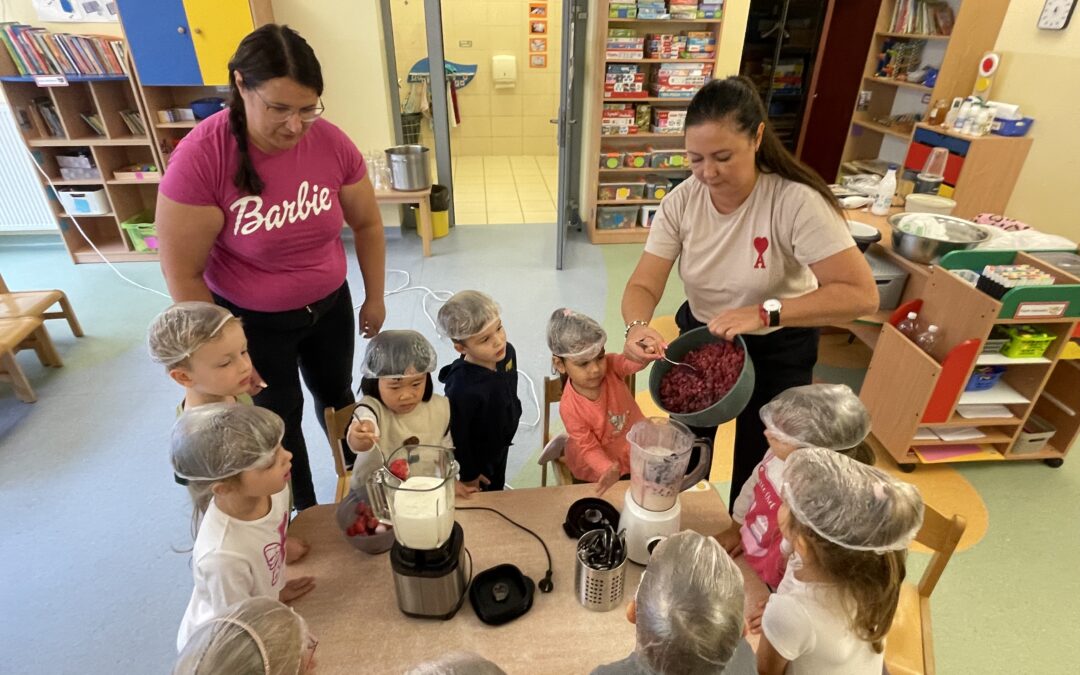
503, 62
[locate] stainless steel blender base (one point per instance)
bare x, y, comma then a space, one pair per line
432, 597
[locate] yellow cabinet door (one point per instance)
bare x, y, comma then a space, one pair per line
217, 27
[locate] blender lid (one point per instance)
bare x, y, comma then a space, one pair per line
589, 514
501, 594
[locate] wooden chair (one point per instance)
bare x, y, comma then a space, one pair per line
910, 645
20, 333
37, 303
555, 448
337, 424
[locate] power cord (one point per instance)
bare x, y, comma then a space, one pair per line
545, 584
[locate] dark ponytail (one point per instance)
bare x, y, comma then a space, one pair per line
269, 52
735, 100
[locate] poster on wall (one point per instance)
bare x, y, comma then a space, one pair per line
538, 27
76, 11
537, 10
538, 60
537, 45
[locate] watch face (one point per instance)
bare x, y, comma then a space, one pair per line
772, 305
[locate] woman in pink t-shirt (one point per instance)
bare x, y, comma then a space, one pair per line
249, 216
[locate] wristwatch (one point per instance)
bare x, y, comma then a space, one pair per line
770, 312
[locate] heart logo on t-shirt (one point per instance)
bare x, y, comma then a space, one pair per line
761, 244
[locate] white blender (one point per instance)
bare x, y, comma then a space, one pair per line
414, 491
660, 450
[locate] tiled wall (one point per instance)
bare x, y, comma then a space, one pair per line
493, 121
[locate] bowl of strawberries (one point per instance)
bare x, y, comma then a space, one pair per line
360, 525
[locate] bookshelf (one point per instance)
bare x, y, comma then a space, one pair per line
596, 142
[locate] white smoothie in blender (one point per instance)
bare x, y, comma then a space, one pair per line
422, 517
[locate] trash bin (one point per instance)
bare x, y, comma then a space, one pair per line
440, 211
410, 127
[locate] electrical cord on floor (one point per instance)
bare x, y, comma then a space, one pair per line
545, 584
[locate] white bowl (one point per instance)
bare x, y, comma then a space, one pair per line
922, 203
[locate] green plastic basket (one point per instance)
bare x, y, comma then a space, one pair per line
140, 230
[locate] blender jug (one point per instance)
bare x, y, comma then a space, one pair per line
660, 451
414, 491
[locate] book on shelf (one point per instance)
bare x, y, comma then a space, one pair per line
36, 51
45, 110
93, 120
922, 17
134, 122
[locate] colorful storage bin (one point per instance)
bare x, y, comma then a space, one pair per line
668, 159
656, 187
140, 230
636, 159
984, 377
1026, 342
610, 159
616, 217
622, 190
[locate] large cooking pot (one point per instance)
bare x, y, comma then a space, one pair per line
410, 169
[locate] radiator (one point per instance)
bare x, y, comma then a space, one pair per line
23, 207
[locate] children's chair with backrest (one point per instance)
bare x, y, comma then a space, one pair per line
555, 448
909, 647
337, 424
35, 304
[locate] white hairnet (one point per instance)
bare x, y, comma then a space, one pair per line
850, 504
219, 440
465, 314
822, 415
257, 636
456, 663
689, 606
392, 353
572, 335
180, 330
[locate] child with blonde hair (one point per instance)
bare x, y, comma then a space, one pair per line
849, 525
238, 476
597, 408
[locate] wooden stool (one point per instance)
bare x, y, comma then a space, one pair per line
18, 334
36, 304
421, 197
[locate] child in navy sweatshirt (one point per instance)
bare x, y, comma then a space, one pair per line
482, 388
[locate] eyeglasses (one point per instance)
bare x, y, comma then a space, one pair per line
281, 114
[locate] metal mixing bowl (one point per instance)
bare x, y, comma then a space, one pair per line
959, 235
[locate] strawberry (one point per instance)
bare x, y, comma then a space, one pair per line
400, 468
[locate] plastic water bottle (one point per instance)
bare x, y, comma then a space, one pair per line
927, 339
885, 191
909, 326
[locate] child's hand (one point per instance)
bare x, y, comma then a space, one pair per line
463, 490
609, 478
295, 549
731, 540
361, 436
478, 484
296, 588
753, 618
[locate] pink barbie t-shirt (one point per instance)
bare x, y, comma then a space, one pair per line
280, 250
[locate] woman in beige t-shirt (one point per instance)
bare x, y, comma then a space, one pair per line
763, 252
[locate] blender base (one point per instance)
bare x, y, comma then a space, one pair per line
645, 529
431, 584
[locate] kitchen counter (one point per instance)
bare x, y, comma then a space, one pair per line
353, 610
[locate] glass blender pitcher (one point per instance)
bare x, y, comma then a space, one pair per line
659, 454
414, 491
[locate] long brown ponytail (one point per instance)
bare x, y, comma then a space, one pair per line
268, 52
735, 100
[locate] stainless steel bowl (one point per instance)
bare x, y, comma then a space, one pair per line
959, 235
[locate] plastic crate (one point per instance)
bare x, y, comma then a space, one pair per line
636, 159
668, 159
610, 159
140, 230
1036, 433
1026, 342
984, 377
616, 217
83, 202
656, 187
622, 190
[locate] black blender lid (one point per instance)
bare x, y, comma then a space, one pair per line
501, 594
589, 514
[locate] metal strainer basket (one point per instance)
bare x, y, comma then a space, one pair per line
599, 589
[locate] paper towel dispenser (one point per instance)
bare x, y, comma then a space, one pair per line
504, 70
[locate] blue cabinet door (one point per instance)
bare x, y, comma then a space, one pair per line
160, 41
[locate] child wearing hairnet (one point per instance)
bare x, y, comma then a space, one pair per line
399, 406
824, 415
257, 636
688, 613
597, 408
850, 526
238, 476
482, 388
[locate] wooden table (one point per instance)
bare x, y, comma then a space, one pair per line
420, 197
354, 614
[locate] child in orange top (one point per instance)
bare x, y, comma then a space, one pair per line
597, 407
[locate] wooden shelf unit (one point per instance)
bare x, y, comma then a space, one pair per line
928, 389
593, 142
974, 32
106, 97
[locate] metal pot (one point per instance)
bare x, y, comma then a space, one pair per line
961, 235
410, 169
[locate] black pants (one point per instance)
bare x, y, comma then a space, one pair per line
782, 359
320, 339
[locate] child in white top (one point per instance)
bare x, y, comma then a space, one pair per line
238, 476
850, 526
257, 635
823, 415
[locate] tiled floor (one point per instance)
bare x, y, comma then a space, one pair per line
505, 189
